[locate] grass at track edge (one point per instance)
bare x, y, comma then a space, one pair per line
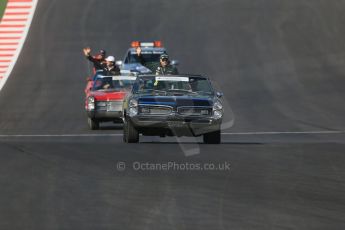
3, 4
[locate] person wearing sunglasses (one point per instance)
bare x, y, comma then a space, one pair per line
165, 68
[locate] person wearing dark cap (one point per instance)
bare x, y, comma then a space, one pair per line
165, 68
98, 60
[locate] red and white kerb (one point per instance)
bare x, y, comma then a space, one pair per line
14, 27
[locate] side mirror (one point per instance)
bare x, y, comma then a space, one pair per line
219, 94
118, 63
174, 62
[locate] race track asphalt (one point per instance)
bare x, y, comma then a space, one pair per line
281, 66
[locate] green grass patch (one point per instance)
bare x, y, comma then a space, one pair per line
3, 4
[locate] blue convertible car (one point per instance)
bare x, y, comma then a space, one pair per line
183, 105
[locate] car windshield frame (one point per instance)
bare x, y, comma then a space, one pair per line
173, 85
115, 83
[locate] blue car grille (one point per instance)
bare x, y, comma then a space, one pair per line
195, 111
155, 110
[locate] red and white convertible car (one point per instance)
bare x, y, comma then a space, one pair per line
104, 98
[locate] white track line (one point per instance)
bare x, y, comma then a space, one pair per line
62, 135
6, 52
19, 4
18, 10
287, 132
120, 134
8, 46
7, 37
6, 29
15, 17
9, 23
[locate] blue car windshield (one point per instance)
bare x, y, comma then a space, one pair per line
186, 84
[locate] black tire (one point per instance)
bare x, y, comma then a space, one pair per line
93, 123
130, 134
212, 138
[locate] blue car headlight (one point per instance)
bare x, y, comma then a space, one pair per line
217, 110
133, 107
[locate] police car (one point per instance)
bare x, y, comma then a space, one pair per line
150, 52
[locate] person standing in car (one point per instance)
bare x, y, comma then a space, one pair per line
111, 69
98, 60
165, 68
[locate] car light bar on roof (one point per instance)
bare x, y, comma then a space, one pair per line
136, 44
158, 44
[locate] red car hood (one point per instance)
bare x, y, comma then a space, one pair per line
108, 95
